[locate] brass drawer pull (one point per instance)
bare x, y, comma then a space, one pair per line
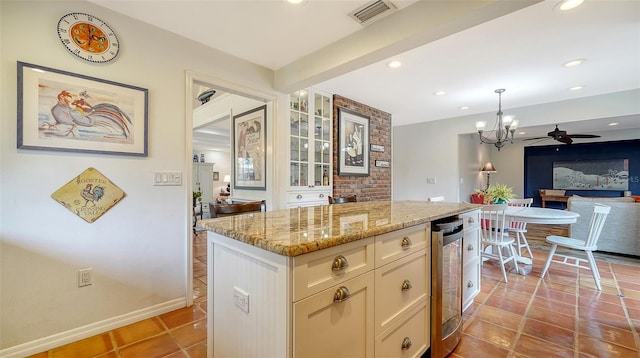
470, 220
339, 263
299, 196
321, 195
406, 243
342, 294
470, 247
469, 284
406, 285
406, 343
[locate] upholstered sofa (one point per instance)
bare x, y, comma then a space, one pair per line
621, 231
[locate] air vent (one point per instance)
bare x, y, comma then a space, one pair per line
373, 11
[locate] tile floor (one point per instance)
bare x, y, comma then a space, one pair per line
560, 316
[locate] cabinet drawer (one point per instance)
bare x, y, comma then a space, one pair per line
409, 338
324, 328
471, 220
397, 244
470, 246
470, 283
313, 272
303, 198
400, 285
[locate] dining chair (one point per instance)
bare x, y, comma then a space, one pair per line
587, 244
221, 210
492, 229
519, 227
436, 198
343, 199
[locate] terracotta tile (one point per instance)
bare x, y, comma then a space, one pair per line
491, 333
199, 269
613, 308
564, 297
40, 355
603, 332
499, 317
178, 354
481, 297
559, 286
564, 308
158, 346
604, 317
138, 331
550, 333
630, 293
111, 354
552, 317
87, 347
598, 348
631, 303
506, 304
198, 350
627, 277
470, 347
534, 347
634, 313
182, 316
596, 295
190, 334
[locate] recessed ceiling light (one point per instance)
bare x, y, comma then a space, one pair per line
296, 2
569, 4
614, 123
521, 133
439, 93
463, 108
573, 63
394, 64
576, 88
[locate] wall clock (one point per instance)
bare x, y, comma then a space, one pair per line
88, 37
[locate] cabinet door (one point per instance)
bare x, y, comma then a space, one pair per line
324, 326
407, 338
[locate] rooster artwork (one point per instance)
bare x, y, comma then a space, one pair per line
74, 117
90, 195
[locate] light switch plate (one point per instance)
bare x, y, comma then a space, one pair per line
171, 178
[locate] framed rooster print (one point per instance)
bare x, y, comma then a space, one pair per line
64, 111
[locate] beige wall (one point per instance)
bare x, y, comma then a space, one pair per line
138, 249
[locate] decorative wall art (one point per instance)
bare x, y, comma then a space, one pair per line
611, 174
63, 111
353, 145
250, 145
89, 195
216, 176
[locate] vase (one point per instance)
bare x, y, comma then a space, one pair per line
499, 201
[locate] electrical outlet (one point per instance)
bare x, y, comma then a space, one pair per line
431, 180
241, 299
85, 277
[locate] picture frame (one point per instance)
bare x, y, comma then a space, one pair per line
70, 112
249, 147
353, 143
216, 176
600, 174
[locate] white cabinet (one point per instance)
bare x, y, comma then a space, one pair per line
202, 180
310, 147
471, 259
345, 300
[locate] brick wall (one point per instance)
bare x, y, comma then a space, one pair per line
377, 185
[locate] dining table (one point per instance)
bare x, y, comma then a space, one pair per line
534, 215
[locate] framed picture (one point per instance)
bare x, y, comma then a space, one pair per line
250, 145
353, 145
63, 111
606, 174
216, 176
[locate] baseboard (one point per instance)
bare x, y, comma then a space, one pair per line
76, 334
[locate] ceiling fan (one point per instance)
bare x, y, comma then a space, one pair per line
563, 137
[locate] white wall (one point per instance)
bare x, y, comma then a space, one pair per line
441, 150
138, 249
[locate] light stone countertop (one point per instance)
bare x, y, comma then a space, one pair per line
293, 232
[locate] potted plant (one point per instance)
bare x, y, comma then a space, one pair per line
197, 197
497, 194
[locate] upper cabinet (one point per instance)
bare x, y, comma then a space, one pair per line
310, 146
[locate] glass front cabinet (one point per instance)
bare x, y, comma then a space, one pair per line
310, 157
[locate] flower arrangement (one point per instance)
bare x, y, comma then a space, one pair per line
497, 194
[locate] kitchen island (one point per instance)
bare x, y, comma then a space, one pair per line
333, 280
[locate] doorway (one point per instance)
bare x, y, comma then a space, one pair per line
209, 136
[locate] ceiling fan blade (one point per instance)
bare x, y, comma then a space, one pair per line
536, 138
583, 136
565, 139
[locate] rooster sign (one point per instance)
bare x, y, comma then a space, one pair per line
89, 195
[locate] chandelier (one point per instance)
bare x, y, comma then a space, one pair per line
504, 127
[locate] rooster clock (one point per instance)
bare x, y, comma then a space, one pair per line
88, 38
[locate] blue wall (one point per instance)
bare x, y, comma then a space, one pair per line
538, 166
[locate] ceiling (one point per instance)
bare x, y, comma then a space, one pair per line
522, 52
